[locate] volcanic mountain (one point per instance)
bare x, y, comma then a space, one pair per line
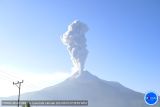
98, 92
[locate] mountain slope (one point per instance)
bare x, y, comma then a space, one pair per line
99, 93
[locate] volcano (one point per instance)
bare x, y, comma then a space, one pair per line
98, 92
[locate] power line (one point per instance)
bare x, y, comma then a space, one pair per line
18, 84
11, 77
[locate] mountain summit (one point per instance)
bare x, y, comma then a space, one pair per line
98, 92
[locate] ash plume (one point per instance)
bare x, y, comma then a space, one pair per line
75, 41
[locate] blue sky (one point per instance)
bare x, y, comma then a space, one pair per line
123, 40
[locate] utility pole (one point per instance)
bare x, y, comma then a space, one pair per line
18, 84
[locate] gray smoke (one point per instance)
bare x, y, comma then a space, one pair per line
74, 39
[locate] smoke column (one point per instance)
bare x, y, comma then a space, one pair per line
74, 39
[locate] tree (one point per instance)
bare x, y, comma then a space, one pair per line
26, 105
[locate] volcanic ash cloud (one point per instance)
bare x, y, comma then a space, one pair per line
75, 41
